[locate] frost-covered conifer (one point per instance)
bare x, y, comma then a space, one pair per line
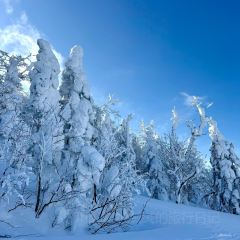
149, 161
226, 172
147, 141
13, 132
46, 132
127, 166
11, 100
85, 162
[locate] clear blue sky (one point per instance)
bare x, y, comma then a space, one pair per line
147, 52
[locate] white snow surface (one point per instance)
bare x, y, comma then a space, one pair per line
162, 220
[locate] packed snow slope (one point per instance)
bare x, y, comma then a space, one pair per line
162, 220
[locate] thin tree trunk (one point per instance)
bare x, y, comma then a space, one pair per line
38, 196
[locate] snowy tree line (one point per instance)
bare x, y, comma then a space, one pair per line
63, 155
175, 170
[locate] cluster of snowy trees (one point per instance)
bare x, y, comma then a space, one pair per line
175, 170
65, 156
60, 153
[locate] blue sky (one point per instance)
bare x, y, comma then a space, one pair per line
147, 52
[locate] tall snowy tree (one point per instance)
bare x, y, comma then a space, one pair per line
226, 172
182, 160
84, 160
13, 131
127, 168
113, 209
11, 100
46, 132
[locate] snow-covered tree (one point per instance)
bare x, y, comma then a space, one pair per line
11, 102
46, 132
13, 131
147, 141
127, 167
106, 129
149, 161
182, 160
202, 186
105, 209
113, 209
85, 162
226, 172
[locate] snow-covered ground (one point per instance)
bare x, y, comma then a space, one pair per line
163, 220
